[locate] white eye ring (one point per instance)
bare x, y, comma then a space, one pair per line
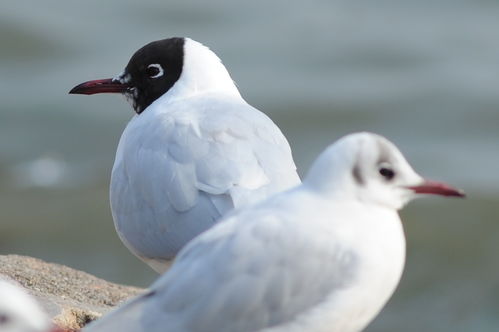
158, 67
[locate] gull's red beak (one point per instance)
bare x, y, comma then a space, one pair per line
437, 188
107, 85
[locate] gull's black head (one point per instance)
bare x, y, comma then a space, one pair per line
150, 73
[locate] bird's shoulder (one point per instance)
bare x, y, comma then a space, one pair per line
271, 265
214, 146
213, 116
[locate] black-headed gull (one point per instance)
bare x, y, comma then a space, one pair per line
323, 256
19, 312
194, 151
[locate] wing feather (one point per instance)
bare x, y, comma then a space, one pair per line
176, 173
246, 274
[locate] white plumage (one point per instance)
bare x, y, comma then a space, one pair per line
19, 312
323, 256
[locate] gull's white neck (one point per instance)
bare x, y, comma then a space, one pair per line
202, 72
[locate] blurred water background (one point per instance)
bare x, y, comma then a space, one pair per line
424, 73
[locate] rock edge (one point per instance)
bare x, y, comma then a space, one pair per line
72, 298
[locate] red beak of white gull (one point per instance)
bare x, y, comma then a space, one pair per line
436, 188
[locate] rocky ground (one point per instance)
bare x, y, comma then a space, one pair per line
73, 298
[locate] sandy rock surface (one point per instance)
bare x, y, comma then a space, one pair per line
73, 298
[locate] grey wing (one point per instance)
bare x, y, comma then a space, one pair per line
252, 147
155, 201
240, 277
183, 174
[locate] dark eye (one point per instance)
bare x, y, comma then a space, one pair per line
387, 172
154, 70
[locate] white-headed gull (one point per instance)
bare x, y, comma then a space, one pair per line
194, 151
323, 256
